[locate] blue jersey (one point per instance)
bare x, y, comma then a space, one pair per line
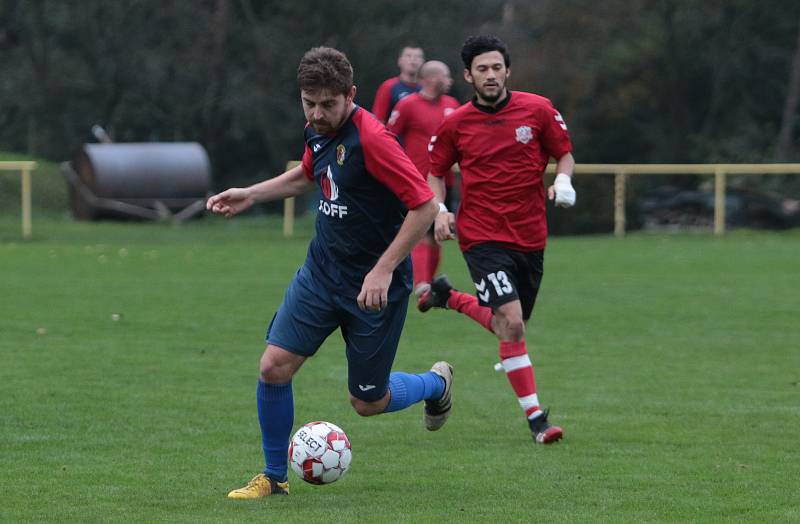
389, 93
366, 185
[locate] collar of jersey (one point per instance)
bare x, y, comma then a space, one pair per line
492, 110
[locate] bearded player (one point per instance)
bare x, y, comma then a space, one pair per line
502, 141
374, 206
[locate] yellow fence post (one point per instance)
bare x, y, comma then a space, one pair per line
288, 217
26, 203
719, 201
25, 168
619, 203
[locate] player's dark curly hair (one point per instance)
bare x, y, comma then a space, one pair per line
325, 68
477, 45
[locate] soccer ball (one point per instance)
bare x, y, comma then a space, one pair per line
320, 453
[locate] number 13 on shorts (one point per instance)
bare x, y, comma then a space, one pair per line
499, 281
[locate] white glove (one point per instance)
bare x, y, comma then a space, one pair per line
565, 193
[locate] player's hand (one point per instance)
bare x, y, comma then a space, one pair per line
230, 202
374, 294
562, 191
444, 227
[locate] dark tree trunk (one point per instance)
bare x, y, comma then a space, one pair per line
785, 149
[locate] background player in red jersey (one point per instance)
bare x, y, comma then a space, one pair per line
415, 119
394, 89
502, 141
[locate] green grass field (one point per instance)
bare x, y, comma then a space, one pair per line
672, 363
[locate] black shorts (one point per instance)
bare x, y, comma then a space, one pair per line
502, 275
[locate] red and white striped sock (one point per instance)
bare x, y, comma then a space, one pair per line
468, 305
519, 370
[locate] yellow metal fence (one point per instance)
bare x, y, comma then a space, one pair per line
720, 172
621, 174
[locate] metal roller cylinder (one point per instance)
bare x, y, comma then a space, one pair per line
151, 175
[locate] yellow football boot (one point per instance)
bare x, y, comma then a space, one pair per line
260, 486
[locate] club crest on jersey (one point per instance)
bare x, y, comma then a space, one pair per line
524, 134
340, 151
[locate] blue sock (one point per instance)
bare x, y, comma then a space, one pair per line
276, 416
407, 389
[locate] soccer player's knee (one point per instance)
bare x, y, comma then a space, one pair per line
271, 373
512, 327
365, 409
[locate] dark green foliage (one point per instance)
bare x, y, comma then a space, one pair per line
637, 81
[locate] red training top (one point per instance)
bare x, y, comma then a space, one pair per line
503, 153
415, 120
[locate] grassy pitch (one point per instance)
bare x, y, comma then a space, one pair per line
129, 354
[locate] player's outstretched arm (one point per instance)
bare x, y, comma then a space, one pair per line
237, 199
562, 191
375, 289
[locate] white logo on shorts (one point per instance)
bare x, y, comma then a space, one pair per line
483, 293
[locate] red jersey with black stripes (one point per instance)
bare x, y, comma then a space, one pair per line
503, 153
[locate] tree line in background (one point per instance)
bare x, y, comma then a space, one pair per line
637, 81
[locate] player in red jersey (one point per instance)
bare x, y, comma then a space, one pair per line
415, 119
394, 89
502, 141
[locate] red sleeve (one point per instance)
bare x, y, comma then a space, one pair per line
398, 119
442, 149
388, 163
380, 108
555, 137
308, 163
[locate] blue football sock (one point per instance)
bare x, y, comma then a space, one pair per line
276, 416
407, 389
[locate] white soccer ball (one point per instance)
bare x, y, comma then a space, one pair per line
320, 453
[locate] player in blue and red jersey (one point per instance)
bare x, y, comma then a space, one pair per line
415, 120
502, 141
373, 207
394, 89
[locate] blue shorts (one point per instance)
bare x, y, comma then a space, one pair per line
309, 313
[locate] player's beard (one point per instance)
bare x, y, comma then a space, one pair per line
323, 127
491, 98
